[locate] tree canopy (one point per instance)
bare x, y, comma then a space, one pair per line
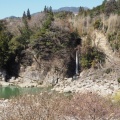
5, 38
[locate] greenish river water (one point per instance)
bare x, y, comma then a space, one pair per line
12, 91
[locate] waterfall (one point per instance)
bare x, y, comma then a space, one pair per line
77, 62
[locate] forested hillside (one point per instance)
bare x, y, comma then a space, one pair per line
73, 60
103, 19
44, 35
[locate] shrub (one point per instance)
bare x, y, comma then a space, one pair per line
97, 24
116, 97
118, 80
85, 62
91, 56
108, 70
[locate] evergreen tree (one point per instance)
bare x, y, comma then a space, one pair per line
25, 33
24, 16
5, 38
45, 9
81, 11
28, 14
50, 9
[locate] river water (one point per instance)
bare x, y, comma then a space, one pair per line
12, 91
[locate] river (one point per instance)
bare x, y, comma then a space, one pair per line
13, 91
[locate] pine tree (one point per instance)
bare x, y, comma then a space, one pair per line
50, 9
24, 16
81, 9
28, 14
45, 9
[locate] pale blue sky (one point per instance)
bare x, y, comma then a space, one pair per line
16, 7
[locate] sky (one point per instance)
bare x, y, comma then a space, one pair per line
17, 7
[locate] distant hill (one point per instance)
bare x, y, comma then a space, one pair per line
71, 9
11, 17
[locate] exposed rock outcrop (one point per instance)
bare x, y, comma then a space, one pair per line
101, 42
3, 75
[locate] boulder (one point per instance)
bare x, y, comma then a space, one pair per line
2, 75
67, 89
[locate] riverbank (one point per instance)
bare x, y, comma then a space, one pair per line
85, 98
96, 81
90, 81
18, 82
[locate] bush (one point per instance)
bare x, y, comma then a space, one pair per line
116, 97
114, 39
62, 14
97, 24
108, 70
91, 56
118, 80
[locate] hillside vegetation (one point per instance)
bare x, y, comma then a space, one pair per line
40, 44
46, 34
40, 49
105, 18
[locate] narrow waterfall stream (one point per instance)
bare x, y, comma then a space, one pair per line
77, 62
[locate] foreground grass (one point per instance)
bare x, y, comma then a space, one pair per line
54, 106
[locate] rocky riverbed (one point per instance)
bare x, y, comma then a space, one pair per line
98, 81
90, 81
3, 105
